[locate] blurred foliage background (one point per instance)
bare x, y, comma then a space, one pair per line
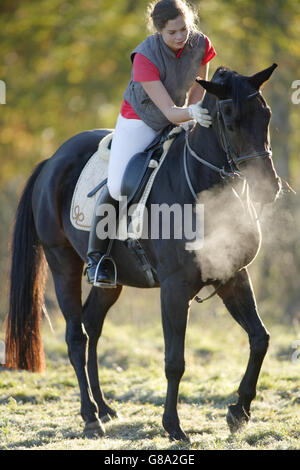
66, 65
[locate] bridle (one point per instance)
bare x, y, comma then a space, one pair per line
233, 159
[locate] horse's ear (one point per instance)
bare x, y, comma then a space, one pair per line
259, 78
214, 88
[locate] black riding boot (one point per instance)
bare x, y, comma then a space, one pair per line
100, 268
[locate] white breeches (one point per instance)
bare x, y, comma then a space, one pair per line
131, 136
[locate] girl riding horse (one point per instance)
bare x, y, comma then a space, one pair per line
165, 66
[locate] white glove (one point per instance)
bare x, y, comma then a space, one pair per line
201, 115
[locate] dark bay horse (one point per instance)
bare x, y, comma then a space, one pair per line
219, 166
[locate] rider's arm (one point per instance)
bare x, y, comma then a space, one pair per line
161, 98
148, 75
159, 95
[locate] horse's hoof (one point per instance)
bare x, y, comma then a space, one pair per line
179, 435
108, 415
94, 429
236, 418
174, 430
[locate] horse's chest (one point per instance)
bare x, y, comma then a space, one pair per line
231, 241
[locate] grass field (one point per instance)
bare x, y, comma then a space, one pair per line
41, 411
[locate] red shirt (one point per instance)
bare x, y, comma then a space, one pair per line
145, 71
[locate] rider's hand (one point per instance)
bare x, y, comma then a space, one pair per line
201, 115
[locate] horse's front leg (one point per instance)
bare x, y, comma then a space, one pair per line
174, 307
239, 298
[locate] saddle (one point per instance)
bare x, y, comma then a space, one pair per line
141, 166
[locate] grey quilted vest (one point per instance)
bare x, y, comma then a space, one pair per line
177, 75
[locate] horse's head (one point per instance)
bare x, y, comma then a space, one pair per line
241, 120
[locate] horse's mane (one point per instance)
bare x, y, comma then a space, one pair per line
236, 87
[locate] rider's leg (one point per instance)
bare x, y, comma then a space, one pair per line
98, 242
131, 136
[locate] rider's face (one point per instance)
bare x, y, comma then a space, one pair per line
175, 33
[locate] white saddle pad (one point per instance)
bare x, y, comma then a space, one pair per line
95, 171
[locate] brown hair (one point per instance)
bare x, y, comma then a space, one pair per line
160, 12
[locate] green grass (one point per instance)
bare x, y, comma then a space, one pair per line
41, 411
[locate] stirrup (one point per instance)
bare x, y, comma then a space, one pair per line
107, 285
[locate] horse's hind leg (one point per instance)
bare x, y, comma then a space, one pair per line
66, 267
94, 312
238, 297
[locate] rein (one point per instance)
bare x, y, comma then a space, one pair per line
221, 171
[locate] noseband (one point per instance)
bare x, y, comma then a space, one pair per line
233, 159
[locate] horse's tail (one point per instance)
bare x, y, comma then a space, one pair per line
23, 343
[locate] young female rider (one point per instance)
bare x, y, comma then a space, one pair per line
165, 66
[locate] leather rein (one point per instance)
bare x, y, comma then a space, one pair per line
233, 159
